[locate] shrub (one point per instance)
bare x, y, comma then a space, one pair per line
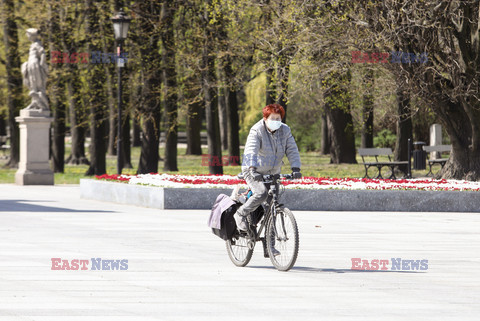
385, 138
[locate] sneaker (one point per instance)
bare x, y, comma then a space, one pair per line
275, 252
241, 222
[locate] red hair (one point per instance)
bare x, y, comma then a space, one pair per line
273, 108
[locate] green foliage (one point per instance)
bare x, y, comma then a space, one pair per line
384, 138
304, 111
308, 138
251, 111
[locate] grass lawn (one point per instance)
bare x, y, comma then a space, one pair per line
313, 164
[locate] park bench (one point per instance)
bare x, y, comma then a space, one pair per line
376, 152
3, 144
433, 161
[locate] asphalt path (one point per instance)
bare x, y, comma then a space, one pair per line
174, 268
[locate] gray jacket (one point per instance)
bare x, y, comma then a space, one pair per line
265, 150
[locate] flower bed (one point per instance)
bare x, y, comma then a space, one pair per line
226, 181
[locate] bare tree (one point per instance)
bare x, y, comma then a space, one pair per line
148, 41
97, 100
209, 86
57, 90
71, 17
439, 50
169, 76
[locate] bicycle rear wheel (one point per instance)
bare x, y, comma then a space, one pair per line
282, 234
238, 250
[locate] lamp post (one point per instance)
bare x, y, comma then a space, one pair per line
121, 23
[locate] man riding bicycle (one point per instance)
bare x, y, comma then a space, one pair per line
268, 142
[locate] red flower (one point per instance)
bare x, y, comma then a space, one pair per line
114, 177
382, 184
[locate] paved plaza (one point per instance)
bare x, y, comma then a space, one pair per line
178, 270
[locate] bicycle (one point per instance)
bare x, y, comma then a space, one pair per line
278, 225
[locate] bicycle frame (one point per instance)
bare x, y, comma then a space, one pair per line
270, 209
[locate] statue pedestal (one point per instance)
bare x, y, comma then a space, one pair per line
34, 167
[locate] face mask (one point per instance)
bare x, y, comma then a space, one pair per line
273, 124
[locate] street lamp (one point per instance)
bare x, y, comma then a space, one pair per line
121, 23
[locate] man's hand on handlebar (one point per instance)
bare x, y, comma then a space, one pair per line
256, 176
296, 173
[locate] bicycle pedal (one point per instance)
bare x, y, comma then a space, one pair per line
265, 252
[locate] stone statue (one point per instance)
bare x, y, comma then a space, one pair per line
35, 72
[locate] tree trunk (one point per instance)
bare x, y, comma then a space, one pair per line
57, 94
340, 122
147, 39
14, 78
368, 101
77, 120
3, 126
170, 87
97, 100
210, 95
404, 125
112, 120
134, 99
222, 118
232, 126
150, 140
58, 106
232, 116
270, 88
342, 149
463, 161
211, 111
126, 141
77, 115
325, 143
98, 136
136, 139
283, 75
59, 116
107, 44
194, 126
226, 93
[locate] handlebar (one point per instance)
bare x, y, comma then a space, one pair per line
269, 177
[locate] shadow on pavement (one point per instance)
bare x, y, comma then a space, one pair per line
24, 206
317, 270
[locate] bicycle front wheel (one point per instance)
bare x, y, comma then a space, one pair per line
239, 251
282, 239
